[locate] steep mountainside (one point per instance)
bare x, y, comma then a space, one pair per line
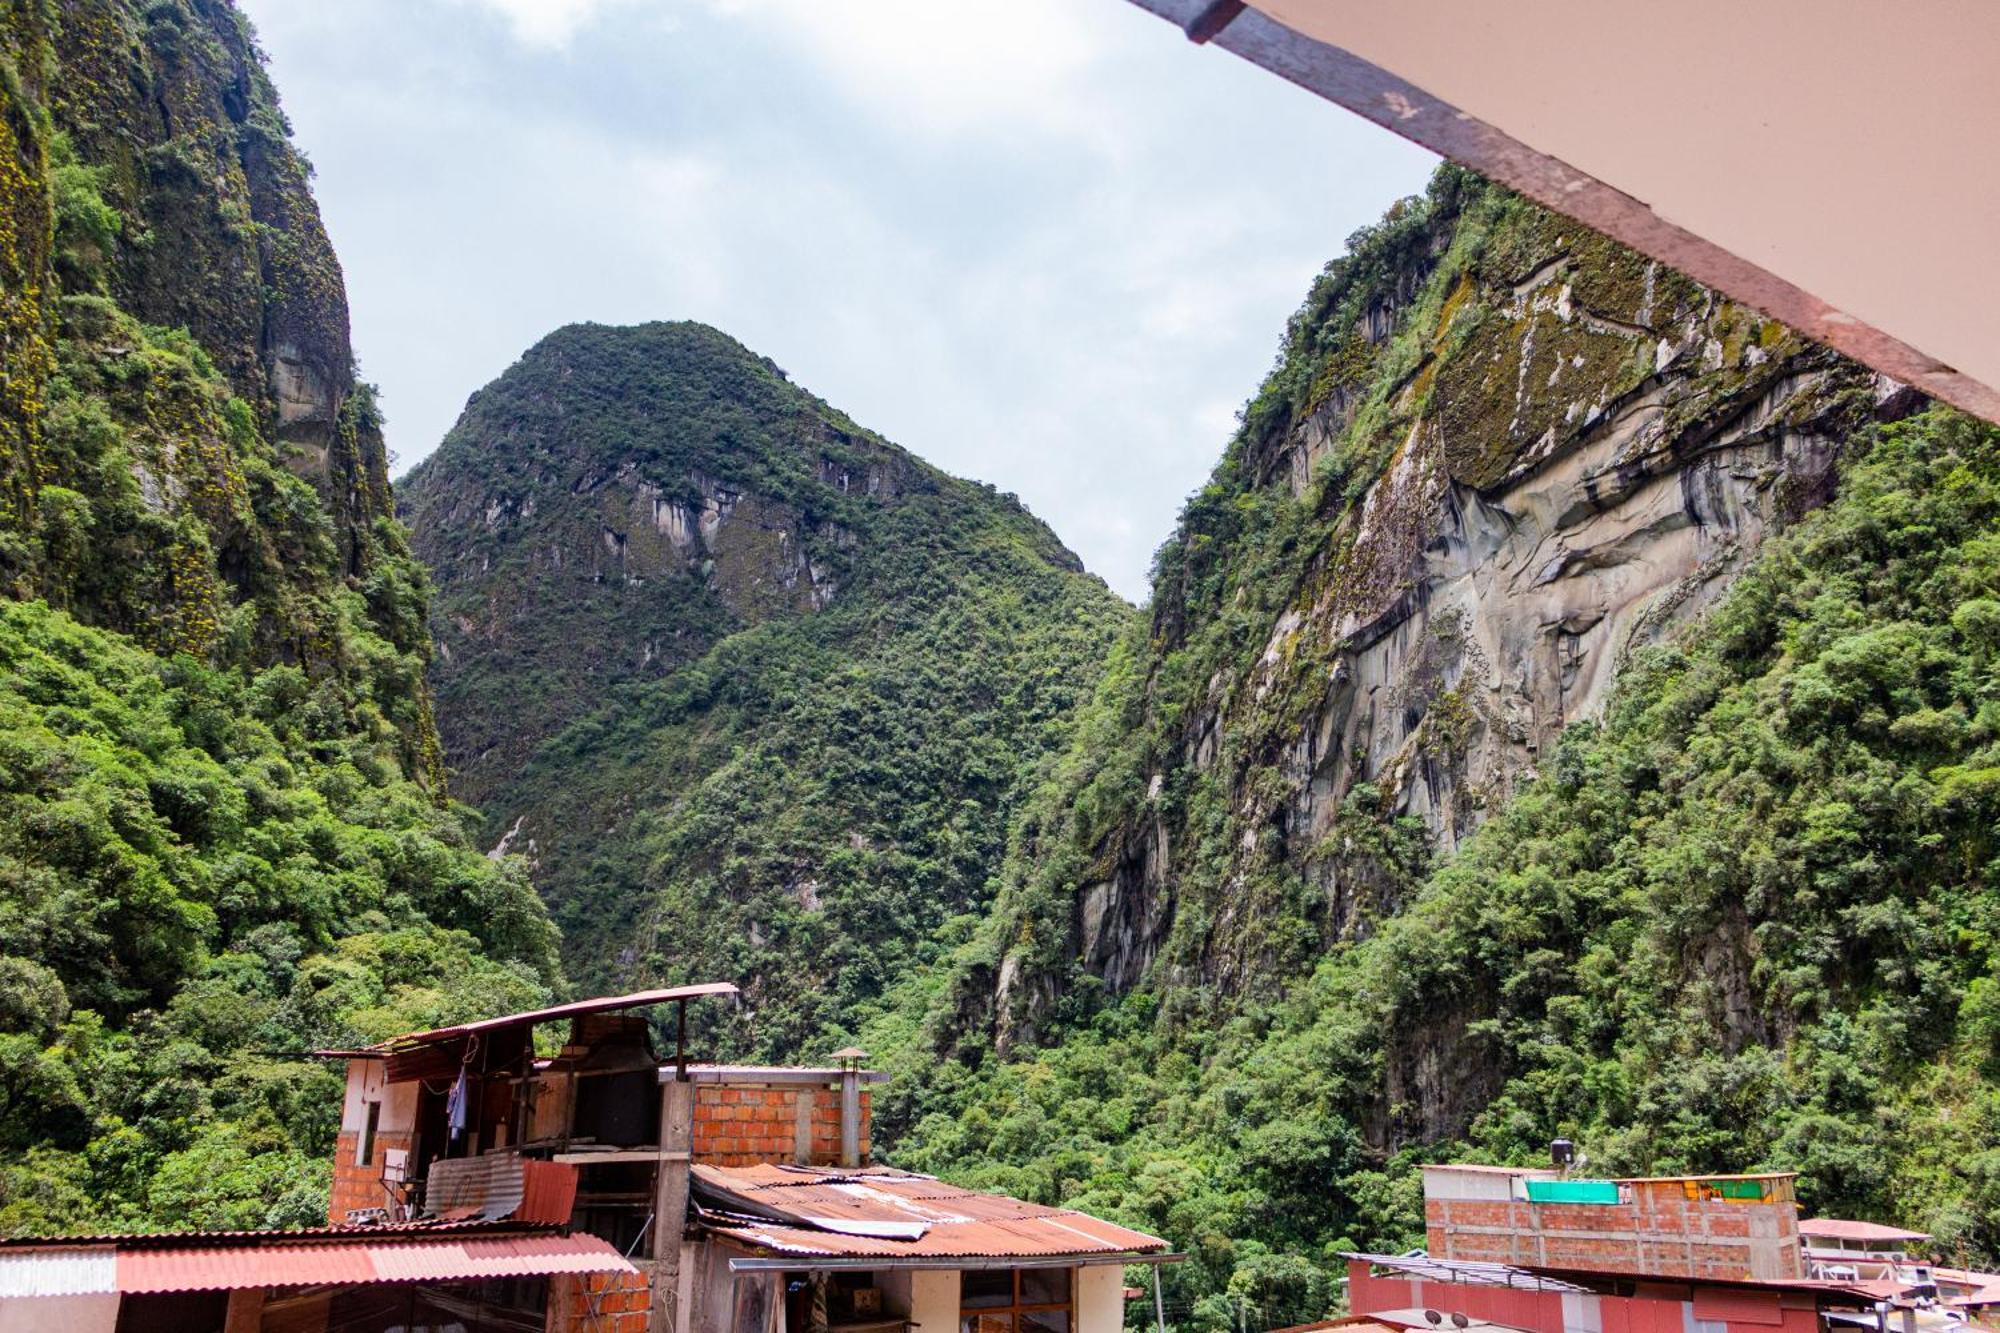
1500, 452
222, 823
1566, 711
755, 689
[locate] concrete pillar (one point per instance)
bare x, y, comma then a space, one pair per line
850, 1116
670, 1202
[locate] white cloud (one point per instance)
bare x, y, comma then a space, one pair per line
546, 24
1044, 243
947, 66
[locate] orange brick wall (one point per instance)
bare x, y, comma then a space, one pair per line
359, 1186
741, 1126
1661, 1233
600, 1303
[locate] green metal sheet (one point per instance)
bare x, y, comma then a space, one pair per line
1572, 1191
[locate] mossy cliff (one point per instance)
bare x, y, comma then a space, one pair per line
1498, 454
757, 690
224, 832
1572, 709
179, 362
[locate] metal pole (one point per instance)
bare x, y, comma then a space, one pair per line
1159, 1302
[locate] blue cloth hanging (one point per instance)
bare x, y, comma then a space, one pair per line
455, 1105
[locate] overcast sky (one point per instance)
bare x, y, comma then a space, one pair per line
1048, 244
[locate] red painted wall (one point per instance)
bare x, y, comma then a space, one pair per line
1659, 1308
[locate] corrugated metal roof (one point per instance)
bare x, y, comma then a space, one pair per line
76, 1272
141, 1239
349, 1263
548, 1192
1840, 1228
804, 1210
205, 1268
600, 1004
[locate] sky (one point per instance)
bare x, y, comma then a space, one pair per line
1047, 244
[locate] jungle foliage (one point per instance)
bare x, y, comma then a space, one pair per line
1744, 922
224, 838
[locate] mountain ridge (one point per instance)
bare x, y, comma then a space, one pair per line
667, 575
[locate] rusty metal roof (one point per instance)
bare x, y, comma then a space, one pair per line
498, 1186
600, 1004
877, 1212
1840, 1228
359, 1262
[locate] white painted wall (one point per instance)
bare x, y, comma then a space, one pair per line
933, 1300
1100, 1299
94, 1313
365, 1083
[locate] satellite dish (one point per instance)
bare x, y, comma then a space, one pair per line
1458, 1320
1433, 1317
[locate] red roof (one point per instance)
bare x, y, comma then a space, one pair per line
879, 1213
356, 1262
1840, 1228
133, 1240
599, 1005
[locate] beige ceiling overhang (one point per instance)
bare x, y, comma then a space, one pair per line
1831, 162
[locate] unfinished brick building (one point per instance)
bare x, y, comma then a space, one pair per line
483, 1186
1723, 1227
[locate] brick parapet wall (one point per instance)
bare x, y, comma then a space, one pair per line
356, 1186
599, 1303
745, 1125
1656, 1233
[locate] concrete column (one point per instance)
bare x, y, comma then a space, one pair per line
850, 1116
670, 1202
802, 1126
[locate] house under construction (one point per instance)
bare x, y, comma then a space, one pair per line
481, 1186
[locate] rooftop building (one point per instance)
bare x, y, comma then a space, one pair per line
1743, 1226
482, 1186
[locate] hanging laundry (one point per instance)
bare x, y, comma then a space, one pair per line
455, 1106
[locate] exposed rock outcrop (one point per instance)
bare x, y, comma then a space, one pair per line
1501, 454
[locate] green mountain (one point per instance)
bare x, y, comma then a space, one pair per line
1568, 710
756, 690
224, 836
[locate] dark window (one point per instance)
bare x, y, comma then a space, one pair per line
621, 1109
173, 1312
364, 1151
1016, 1300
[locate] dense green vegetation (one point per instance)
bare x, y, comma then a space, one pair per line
798, 738
1746, 921
224, 838
203, 876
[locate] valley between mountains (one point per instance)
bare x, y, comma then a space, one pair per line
1571, 708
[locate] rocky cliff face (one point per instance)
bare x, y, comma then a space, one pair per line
756, 689
1499, 453
168, 109
222, 822
179, 344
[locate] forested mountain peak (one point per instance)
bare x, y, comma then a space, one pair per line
755, 688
